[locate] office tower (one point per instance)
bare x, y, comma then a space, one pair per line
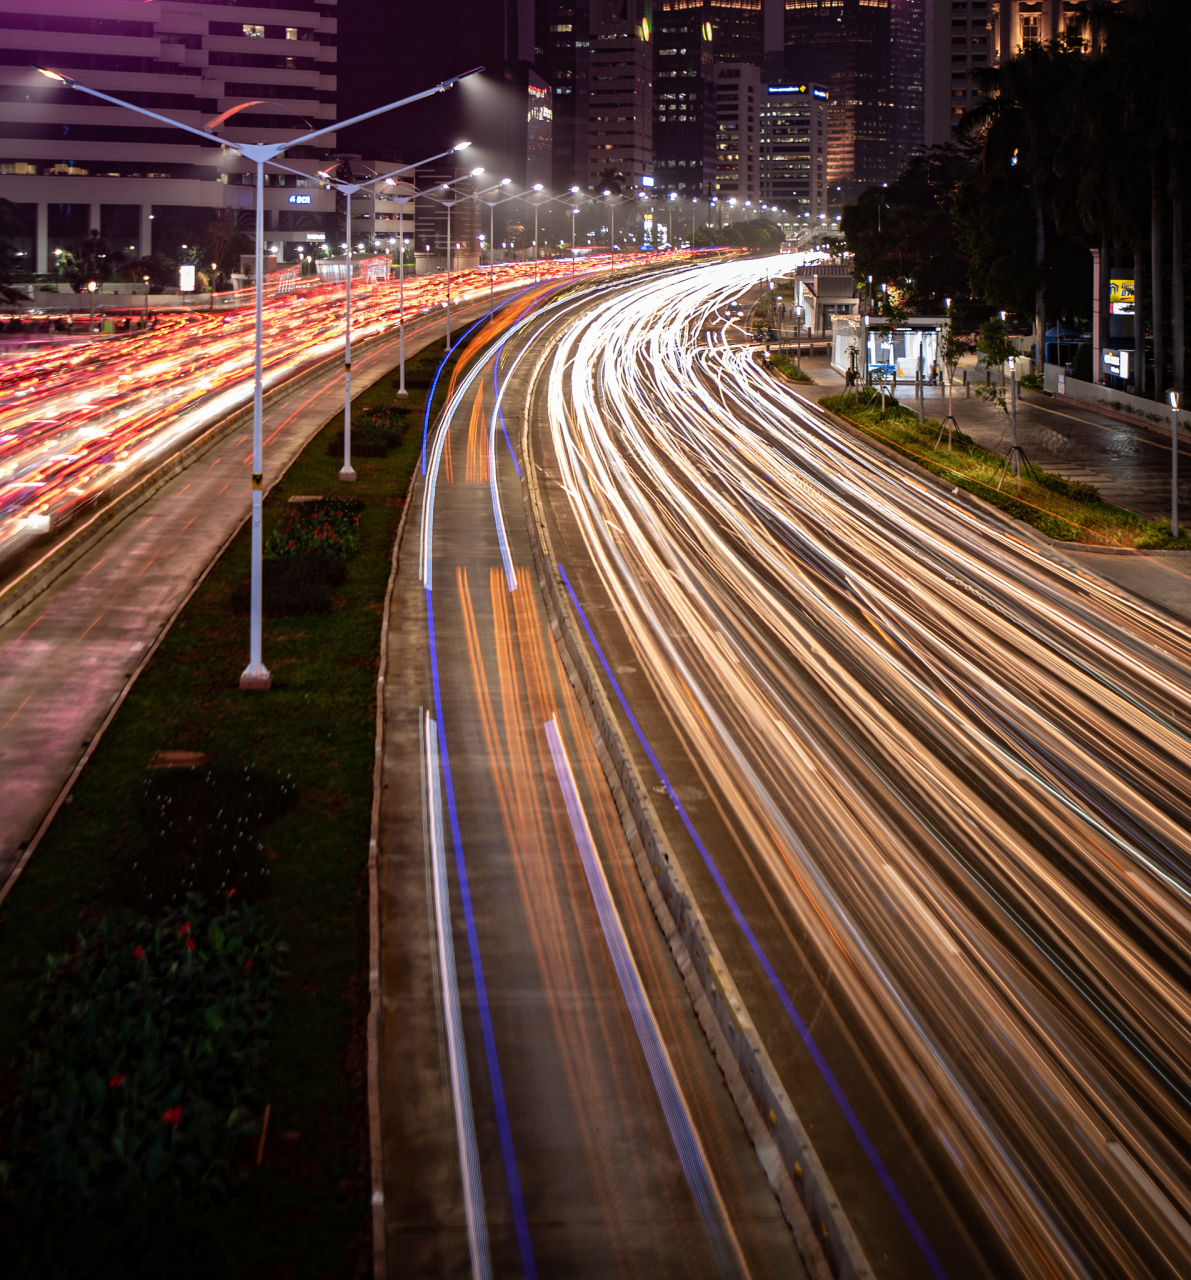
964, 35
620, 95
737, 30
793, 121
562, 44
430, 218
73, 164
684, 112
874, 118
738, 93
1014, 24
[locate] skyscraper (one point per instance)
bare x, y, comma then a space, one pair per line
620, 94
562, 44
738, 93
868, 54
793, 151
684, 119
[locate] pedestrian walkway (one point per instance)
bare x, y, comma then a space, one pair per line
1129, 465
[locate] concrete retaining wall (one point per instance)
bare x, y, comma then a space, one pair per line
1151, 412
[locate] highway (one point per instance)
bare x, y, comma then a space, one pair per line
77, 423
929, 783
550, 1103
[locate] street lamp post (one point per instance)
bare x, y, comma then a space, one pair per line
537, 186
347, 188
91, 291
798, 335
504, 182
256, 674
146, 280
1175, 397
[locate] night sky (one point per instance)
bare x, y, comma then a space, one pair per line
389, 50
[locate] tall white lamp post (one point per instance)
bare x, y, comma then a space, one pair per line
1175, 397
348, 188
504, 182
256, 674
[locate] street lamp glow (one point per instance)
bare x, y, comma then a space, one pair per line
256, 674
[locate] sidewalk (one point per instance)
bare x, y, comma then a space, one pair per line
1130, 466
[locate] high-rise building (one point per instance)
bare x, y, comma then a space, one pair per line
562, 43
684, 112
73, 164
875, 112
793, 121
965, 35
737, 29
620, 94
738, 131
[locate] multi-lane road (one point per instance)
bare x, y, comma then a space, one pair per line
931, 783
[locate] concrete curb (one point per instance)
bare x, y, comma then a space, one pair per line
821, 1228
27, 586
375, 1003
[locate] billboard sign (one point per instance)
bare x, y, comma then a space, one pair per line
1120, 297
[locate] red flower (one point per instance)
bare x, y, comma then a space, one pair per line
247, 964
173, 1116
185, 929
138, 952
231, 893
189, 944
115, 1082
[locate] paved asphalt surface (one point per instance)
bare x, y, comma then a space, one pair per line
581, 1169
940, 776
65, 658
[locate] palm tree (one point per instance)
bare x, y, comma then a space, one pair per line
1021, 123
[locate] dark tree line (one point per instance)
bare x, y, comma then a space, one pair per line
1072, 149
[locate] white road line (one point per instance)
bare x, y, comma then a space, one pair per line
465, 1128
725, 1247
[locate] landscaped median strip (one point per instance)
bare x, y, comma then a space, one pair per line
1057, 502
307, 1206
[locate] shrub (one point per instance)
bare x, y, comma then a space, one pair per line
138, 1080
294, 585
1031, 382
789, 369
200, 834
329, 526
376, 430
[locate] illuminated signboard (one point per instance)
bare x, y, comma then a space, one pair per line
1120, 297
186, 277
300, 199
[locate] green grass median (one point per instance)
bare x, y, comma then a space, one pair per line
305, 1210
1061, 509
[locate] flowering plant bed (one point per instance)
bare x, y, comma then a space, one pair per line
330, 526
139, 1076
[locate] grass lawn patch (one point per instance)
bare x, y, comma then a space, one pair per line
789, 368
1062, 509
296, 767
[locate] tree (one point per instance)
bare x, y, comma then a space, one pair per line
162, 272
907, 235
223, 243
1020, 125
9, 226
92, 258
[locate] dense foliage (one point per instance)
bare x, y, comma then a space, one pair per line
138, 1086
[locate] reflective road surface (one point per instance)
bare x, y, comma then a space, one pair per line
959, 766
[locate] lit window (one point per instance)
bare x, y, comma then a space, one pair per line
291, 33
251, 29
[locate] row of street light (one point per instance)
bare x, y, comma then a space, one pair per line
256, 675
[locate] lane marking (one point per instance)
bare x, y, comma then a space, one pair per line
504, 1128
16, 713
465, 1128
93, 623
31, 626
725, 1248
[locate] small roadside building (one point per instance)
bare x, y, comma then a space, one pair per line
867, 345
